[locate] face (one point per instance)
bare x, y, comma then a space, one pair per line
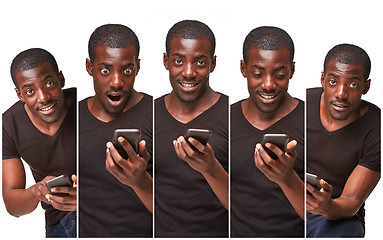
40, 90
268, 74
114, 71
189, 63
343, 86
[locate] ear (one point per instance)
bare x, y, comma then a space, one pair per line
292, 70
18, 93
322, 79
367, 84
138, 66
243, 68
62, 79
166, 61
213, 63
89, 68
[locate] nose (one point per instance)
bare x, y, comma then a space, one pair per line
188, 71
268, 83
43, 95
116, 81
341, 92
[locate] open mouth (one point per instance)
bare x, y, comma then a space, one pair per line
340, 106
267, 98
188, 86
114, 98
47, 109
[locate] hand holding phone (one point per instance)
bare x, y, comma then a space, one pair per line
313, 180
279, 140
60, 181
133, 136
201, 135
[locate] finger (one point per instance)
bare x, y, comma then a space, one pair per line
290, 148
69, 190
115, 156
142, 150
200, 147
266, 159
325, 186
259, 162
185, 148
132, 155
272, 147
74, 179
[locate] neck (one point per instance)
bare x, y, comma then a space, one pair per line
186, 111
263, 120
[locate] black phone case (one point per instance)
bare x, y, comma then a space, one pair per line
280, 140
60, 181
202, 135
133, 136
313, 180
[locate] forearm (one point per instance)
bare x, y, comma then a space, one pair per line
294, 190
145, 191
342, 207
19, 202
218, 180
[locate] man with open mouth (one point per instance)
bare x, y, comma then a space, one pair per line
343, 145
267, 194
191, 181
116, 197
41, 130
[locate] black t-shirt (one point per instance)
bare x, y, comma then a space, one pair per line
334, 155
108, 208
45, 155
185, 205
259, 207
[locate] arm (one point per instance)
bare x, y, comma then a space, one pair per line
18, 200
358, 187
132, 171
205, 162
282, 172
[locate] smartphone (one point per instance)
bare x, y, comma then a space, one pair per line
202, 135
133, 136
313, 180
280, 140
60, 181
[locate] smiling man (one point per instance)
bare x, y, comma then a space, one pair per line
343, 145
267, 195
191, 184
116, 197
41, 130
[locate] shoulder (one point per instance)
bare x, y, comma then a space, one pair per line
313, 92
14, 111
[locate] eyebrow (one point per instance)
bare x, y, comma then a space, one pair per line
277, 69
29, 84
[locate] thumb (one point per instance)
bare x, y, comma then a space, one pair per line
142, 150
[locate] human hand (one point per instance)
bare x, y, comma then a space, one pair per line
67, 202
40, 191
131, 171
202, 159
319, 201
280, 170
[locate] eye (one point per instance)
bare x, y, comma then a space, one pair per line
104, 71
128, 71
200, 62
178, 61
49, 84
29, 92
257, 75
281, 76
332, 82
353, 84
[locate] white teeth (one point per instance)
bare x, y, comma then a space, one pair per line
268, 96
47, 108
188, 85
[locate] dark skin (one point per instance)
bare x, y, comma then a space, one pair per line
40, 89
268, 74
340, 105
190, 63
114, 71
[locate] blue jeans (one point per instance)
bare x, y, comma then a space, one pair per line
66, 228
319, 226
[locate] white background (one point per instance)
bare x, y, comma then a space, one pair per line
64, 30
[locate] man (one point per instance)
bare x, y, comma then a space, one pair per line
267, 195
343, 145
41, 130
191, 183
116, 197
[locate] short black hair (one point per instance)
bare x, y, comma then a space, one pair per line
349, 54
113, 36
268, 38
190, 29
29, 59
